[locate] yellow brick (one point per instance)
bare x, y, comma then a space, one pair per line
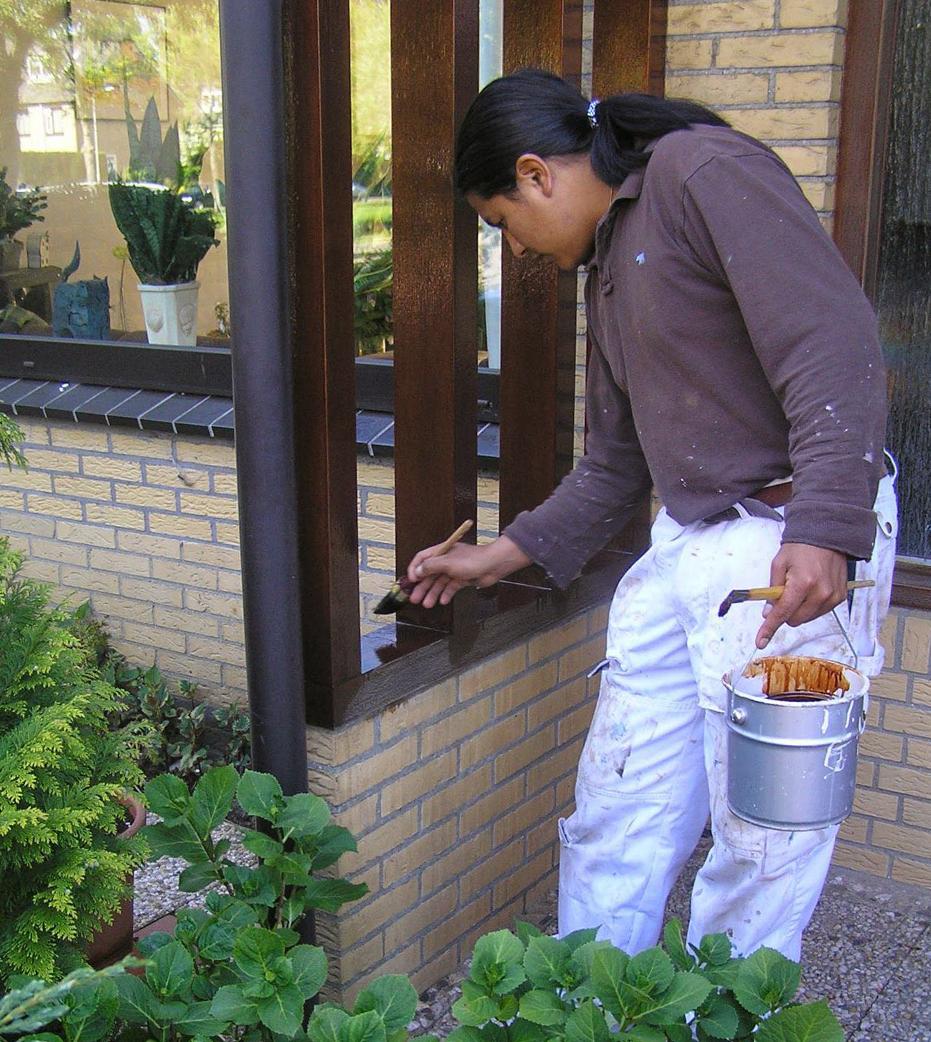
803, 14
148, 445
854, 829
448, 867
199, 670
108, 467
906, 780
861, 859
918, 813
8, 498
146, 496
227, 533
151, 590
909, 720
818, 192
887, 636
360, 817
384, 560
27, 524
186, 621
417, 783
380, 503
581, 659
180, 525
225, 484
119, 517
525, 753
556, 640
215, 650
525, 689
520, 820
209, 453
406, 962
808, 160
890, 686
361, 958
376, 531
74, 437
688, 54
121, 608
406, 716
235, 677
52, 550
866, 773
375, 771
154, 635
921, 692
125, 564
448, 930
48, 459
90, 579
557, 704
783, 49
85, 488
499, 801
176, 477
490, 674
883, 746
900, 837
718, 89
221, 556
575, 723
215, 603
153, 545
36, 503
42, 571
496, 867
524, 876
435, 909
876, 804
234, 632
914, 872
810, 85
182, 572
563, 761
26, 479
210, 505
452, 730
450, 799
490, 741
915, 644
489, 488
89, 534
373, 916
778, 124
740, 15
919, 753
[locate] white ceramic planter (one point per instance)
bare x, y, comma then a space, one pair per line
170, 313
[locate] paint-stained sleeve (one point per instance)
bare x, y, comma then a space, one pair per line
813, 332
593, 502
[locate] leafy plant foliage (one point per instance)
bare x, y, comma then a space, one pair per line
63, 769
18, 210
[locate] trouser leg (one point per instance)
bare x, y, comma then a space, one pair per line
641, 797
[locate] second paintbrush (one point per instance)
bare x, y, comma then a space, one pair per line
772, 593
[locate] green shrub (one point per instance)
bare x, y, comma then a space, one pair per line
62, 769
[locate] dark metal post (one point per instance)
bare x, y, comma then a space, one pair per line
256, 164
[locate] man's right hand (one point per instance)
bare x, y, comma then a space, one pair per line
439, 577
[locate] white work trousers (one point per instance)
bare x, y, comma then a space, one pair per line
654, 763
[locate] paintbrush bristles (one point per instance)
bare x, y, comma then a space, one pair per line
772, 593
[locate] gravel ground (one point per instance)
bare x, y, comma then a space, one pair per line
867, 950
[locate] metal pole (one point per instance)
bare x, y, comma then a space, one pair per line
256, 164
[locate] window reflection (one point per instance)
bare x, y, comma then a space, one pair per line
94, 92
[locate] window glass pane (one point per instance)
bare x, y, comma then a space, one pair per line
904, 283
94, 92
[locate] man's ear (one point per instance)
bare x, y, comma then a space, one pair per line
534, 173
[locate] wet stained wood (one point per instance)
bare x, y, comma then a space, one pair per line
538, 302
628, 46
434, 73
316, 58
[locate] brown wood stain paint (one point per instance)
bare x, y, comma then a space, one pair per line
799, 678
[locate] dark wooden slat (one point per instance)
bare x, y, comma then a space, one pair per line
434, 73
911, 584
316, 35
864, 120
538, 302
628, 46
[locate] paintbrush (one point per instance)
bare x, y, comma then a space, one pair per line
400, 591
772, 593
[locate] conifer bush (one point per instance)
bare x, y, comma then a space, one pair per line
62, 768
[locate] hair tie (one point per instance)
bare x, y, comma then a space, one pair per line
592, 109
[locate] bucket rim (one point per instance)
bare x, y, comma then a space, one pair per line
762, 699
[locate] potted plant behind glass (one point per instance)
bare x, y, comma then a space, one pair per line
166, 238
18, 211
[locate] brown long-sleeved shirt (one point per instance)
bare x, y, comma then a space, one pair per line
730, 346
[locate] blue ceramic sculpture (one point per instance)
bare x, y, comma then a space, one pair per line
81, 310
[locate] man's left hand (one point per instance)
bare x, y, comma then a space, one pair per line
815, 581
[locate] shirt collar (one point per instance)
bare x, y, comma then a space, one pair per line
628, 190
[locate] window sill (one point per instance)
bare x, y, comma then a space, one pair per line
911, 584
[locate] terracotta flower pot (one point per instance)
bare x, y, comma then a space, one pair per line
113, 941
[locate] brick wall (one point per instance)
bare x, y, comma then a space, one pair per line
453, 796
773, 69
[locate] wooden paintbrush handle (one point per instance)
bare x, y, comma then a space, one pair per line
773, 593
454, 538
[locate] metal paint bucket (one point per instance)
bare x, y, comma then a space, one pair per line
793, 724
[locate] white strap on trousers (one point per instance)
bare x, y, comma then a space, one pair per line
654, 762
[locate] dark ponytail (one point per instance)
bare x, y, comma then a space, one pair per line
537, 112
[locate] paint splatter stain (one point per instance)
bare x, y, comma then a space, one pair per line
641, 258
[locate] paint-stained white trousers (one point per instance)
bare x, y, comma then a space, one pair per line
654, 762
